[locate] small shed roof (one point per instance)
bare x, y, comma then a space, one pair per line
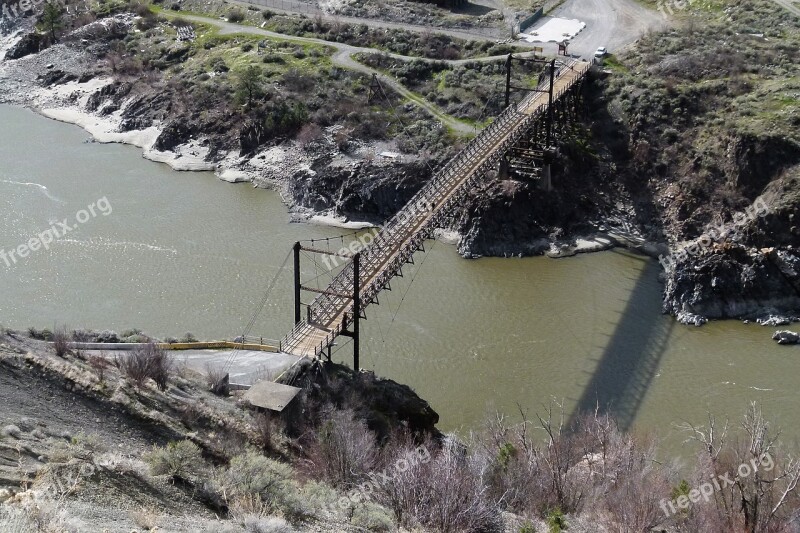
272, 396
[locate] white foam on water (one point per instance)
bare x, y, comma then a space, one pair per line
38, 185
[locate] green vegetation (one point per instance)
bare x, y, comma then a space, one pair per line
556, 521
473, 91
52, 18
429, 45
613, 63
180, 460
408, 43
706, 103
274, 86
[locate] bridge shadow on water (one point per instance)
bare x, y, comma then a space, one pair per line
631, 356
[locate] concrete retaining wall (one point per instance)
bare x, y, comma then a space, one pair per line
530, 21
213, 345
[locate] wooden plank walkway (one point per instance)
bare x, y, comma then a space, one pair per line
405, 232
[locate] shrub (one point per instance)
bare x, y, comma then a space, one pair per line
236, 15
10, 431
61, 342
270, 524
108, 336
319, 496
82, 335
179, 460
251, 474
217, 380
556, 521
42, 335
262, 481
373, 517
145, 518
148, 361
345, 450
282, 119
189, 337
264, 427
453, 485
99, 365
309, 133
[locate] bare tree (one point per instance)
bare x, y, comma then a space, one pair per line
757, 486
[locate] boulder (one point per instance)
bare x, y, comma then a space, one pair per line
786, 337
29, 44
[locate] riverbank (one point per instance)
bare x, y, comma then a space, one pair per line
344, 167
307, 175
89, 444
187, 252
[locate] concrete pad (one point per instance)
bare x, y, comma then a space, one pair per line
272, 396
247, 367
553, 30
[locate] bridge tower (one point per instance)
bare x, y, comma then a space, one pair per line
351, 320
531, 156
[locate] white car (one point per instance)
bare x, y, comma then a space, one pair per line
601, 52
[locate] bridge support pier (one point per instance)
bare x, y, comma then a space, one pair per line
547, 180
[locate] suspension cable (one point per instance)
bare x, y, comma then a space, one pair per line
251, 323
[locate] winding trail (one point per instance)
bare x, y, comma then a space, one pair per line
297, 7
612, 23
789, 6
343, 57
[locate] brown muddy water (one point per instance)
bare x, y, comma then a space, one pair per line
186, 252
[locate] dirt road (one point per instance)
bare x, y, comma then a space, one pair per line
303, 8
614, 24
789, 6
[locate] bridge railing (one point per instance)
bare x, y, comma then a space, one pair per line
326, 307
423, 212
410, 217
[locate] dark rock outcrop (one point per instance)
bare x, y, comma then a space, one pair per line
111, 94
507, 218
786, 337
251, 135
175, 133
754, 161
363, 191
56, 77
31, 43
731, 281
385, 404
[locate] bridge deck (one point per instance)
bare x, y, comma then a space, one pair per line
404, 233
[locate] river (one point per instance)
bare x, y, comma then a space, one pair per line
185, 252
